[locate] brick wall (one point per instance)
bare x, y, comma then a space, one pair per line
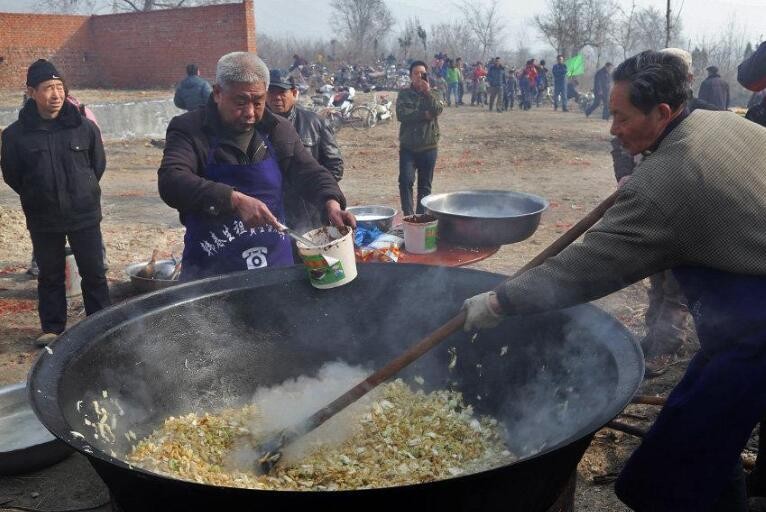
130, 50
25, 38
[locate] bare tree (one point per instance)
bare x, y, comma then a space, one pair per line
484, 21
624, 30
69, 6
407, 36
278, 52
671, 22
650, 30
571, 25
92, 6
423, 36
361, 22
456, 39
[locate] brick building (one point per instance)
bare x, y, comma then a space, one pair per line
128, 50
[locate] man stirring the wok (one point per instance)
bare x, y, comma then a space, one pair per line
224, 167
696, 204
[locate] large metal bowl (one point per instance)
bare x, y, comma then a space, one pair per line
25, 444
163, 269
485, 217
381, 217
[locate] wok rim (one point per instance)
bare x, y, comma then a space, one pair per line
49, 412
543, 203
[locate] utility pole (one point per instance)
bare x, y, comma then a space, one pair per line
667, 26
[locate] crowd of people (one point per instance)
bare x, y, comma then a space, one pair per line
501, 88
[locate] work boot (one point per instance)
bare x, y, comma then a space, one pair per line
46, 339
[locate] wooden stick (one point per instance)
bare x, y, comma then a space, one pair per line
273, 446
453, 325
649, 400
571, 234
627, 428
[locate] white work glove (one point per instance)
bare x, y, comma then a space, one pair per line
479, 313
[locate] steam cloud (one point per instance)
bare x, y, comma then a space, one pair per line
286, 405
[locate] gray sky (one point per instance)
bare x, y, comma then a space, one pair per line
309, 18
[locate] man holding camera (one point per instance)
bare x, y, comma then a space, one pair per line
417, 109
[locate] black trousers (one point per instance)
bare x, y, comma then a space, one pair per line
86, 245
411, 163
599, 100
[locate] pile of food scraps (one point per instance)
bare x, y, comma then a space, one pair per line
404, 437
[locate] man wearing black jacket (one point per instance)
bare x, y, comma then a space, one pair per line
53, 158
224, 170
602, 86
318, 137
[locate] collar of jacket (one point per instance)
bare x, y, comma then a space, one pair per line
213, 125
669, 128
290, 116
69, 116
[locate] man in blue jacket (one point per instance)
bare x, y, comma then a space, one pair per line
496, 79
193, 91
559, 72
602, 86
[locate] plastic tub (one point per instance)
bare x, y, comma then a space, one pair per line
332, 262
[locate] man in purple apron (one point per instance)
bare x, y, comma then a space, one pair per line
224, 169
695, 204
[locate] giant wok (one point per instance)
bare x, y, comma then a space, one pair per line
209, 344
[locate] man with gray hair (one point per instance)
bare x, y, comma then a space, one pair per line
695, 204
224, 168
666, 317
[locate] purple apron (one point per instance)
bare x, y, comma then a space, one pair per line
216, 245
687, 459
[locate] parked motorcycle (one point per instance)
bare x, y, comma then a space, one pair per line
339, 110
381, 109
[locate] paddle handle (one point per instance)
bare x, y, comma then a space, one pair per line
571, 234
386, 372
453, 325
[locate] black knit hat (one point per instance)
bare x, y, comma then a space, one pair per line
40, 71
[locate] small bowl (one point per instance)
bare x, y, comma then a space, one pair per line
163, 268
381, 217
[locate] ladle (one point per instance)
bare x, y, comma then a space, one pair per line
294, 234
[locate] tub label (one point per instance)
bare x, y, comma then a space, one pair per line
431, 237
320, 272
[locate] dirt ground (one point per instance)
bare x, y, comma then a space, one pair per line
562, 157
